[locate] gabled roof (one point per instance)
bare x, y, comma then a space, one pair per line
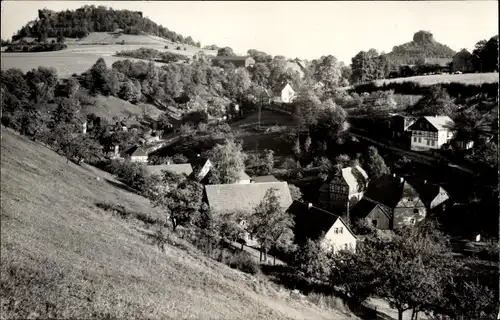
427, 191
311, 222
268, 178
389, 190
135, 151
244, 197
440, 122
365, 206
183, 168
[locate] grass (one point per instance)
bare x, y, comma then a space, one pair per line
467, 78
109, 107
65, 255
82, 54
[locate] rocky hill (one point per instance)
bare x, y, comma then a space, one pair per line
83, 21
423, 46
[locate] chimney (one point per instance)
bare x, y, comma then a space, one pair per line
309, 205
401, 179
198, 155
394, 175
425, 181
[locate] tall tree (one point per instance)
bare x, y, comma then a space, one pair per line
226, 52
374, 163
228, 162
270, 222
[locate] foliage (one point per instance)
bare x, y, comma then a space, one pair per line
243, 261
228, 161
312, 261
437, 103
38, 47
270, 224
130, 91
485, 55
81, 148
87, 19
268, 161
225, 52
181, 204
295, 192
152, 54
375, 164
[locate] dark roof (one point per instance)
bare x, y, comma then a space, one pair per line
136, 151
269, 178
198, 162
364, 207
311, 222
389, 190
426, 191
442, 62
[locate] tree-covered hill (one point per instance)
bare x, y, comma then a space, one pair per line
80, 22
423, 46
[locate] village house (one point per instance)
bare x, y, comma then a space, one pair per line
136, 154
114, 152
432, 195
244, 198
237, 61
431, 132
397, 202
201, 169
344, 189
443, 63
284, 94
175, 116
462, 62
317, 224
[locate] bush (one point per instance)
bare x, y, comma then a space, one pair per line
243, 262
179, 158
178, 48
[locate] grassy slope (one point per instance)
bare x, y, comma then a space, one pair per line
59, 249
82, 54
109, 107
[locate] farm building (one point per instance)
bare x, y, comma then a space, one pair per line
317, 224
399, 124
237, 61
432, 195
396, 199
431, 132
136, 154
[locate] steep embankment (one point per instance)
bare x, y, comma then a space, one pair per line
64, 257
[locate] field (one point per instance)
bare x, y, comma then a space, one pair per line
468, 78
82, 54
64, 257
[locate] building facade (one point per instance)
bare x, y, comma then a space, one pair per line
431, 132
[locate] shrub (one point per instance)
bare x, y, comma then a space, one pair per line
166, 47
178, 48
243, 262
179, 158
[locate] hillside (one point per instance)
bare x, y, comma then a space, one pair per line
81, 22
64, 257
423, 46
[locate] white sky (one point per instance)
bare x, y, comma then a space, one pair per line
298, 29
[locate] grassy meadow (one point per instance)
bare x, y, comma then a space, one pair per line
63, 256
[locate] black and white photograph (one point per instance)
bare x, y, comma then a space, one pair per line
234, 160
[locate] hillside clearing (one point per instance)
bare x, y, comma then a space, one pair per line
109, 107
63, 257
467, 78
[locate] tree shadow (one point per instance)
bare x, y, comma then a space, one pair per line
289, 278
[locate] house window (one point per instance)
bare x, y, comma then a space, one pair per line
374, 223
432, 143
412, 221
336, 230
410, 199
414, 139
419, 140
415, 210
341, 230
346, 246
428, 142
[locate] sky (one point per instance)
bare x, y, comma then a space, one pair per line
307, 30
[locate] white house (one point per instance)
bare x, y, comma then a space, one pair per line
136, 154
431, 132
317, 224
284, 95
